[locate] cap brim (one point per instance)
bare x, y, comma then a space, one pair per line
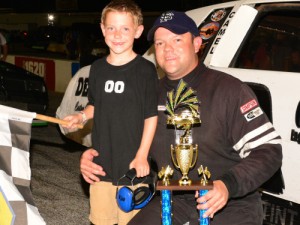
174, 29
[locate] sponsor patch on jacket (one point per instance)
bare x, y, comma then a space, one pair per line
253, 114
248, 106
161, 108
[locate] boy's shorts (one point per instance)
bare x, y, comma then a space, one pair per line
104, 208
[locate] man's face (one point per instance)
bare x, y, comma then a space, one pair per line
176, 54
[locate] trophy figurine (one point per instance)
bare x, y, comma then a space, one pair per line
205, 173
183, 110
165, 175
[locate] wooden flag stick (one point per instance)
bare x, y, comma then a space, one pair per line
55, 120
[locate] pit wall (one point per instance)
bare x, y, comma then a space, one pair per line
56, 72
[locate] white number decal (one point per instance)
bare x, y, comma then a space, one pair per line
109, 86
117, 87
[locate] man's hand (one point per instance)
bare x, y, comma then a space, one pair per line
88, 168
214, 200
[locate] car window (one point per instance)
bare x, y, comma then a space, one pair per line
273, 43
210, 27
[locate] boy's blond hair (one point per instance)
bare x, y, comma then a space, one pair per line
127, 6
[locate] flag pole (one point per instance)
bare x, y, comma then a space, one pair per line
55, 120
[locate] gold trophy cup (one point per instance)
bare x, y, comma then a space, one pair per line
184, 154
185, 159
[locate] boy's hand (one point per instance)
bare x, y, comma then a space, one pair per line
141, 166
73, 120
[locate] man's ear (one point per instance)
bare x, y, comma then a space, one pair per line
139, 31
197, 43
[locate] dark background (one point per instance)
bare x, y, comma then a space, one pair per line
28, 6
70, 35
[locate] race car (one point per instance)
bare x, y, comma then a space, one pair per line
19, 88
258, 41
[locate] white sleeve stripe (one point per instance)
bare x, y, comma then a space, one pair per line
275, 141
252, 134
267, 139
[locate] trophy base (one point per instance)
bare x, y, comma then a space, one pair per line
184, 182
174, 185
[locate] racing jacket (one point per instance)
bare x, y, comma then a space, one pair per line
236, 140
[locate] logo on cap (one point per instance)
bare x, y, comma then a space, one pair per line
166, 16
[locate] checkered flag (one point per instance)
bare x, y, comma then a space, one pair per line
16, 202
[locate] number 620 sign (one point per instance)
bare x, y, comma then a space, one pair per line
42, 67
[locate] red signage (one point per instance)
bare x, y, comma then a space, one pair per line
42, 67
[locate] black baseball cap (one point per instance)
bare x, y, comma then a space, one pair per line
175, 21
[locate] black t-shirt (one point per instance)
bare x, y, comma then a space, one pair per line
123, 97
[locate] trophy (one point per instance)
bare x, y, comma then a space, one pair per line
182, 108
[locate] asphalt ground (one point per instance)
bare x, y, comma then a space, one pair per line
59, 192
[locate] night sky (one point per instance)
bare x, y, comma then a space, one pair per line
39, 6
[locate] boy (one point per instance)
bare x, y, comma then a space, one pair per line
123, 102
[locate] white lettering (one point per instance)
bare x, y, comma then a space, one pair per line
37, 68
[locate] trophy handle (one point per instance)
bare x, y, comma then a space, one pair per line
174, 159
196, 155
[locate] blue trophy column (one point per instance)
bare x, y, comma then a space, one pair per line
203, 221
166, 207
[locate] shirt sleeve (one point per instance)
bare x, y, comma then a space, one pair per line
151, 93
255, 140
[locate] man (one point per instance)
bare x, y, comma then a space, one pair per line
4, 48
241, 152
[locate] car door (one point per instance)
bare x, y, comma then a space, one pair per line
260, 45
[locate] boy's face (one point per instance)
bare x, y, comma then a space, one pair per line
119, 31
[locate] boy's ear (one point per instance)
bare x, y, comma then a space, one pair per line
102, 29
139, 31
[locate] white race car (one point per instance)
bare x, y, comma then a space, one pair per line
258, 41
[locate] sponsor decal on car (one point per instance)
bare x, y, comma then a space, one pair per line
209, 30
218, 15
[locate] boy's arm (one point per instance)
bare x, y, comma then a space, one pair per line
140, 162
89, 112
